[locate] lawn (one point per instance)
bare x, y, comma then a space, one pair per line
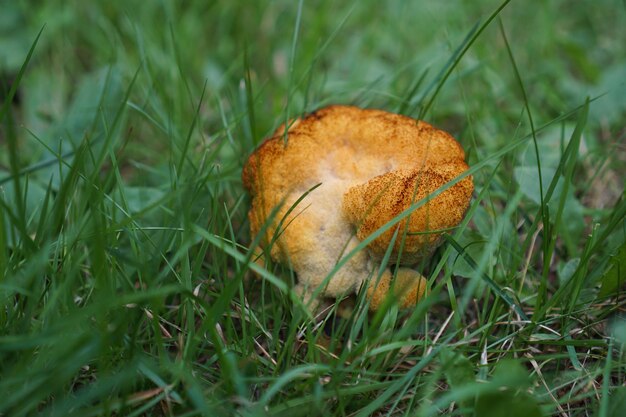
126, 284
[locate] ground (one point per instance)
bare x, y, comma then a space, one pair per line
126, 284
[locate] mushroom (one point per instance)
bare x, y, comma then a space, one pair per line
336, 177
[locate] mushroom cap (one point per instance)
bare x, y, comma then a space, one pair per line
335, 178
372, 165
371, 205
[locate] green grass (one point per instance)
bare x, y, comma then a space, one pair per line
126, 282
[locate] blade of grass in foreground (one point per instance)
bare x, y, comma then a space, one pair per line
566, 164
467, 43
490, 282
221, 244
545, 214
292, 63
16, 82
11, 138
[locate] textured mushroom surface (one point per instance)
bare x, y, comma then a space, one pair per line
370, 166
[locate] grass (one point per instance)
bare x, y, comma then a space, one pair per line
125, 256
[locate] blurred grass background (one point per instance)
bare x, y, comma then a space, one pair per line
123, 234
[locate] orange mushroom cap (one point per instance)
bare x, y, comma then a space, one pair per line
370, 166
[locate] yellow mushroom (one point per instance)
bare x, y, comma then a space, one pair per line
341, 174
